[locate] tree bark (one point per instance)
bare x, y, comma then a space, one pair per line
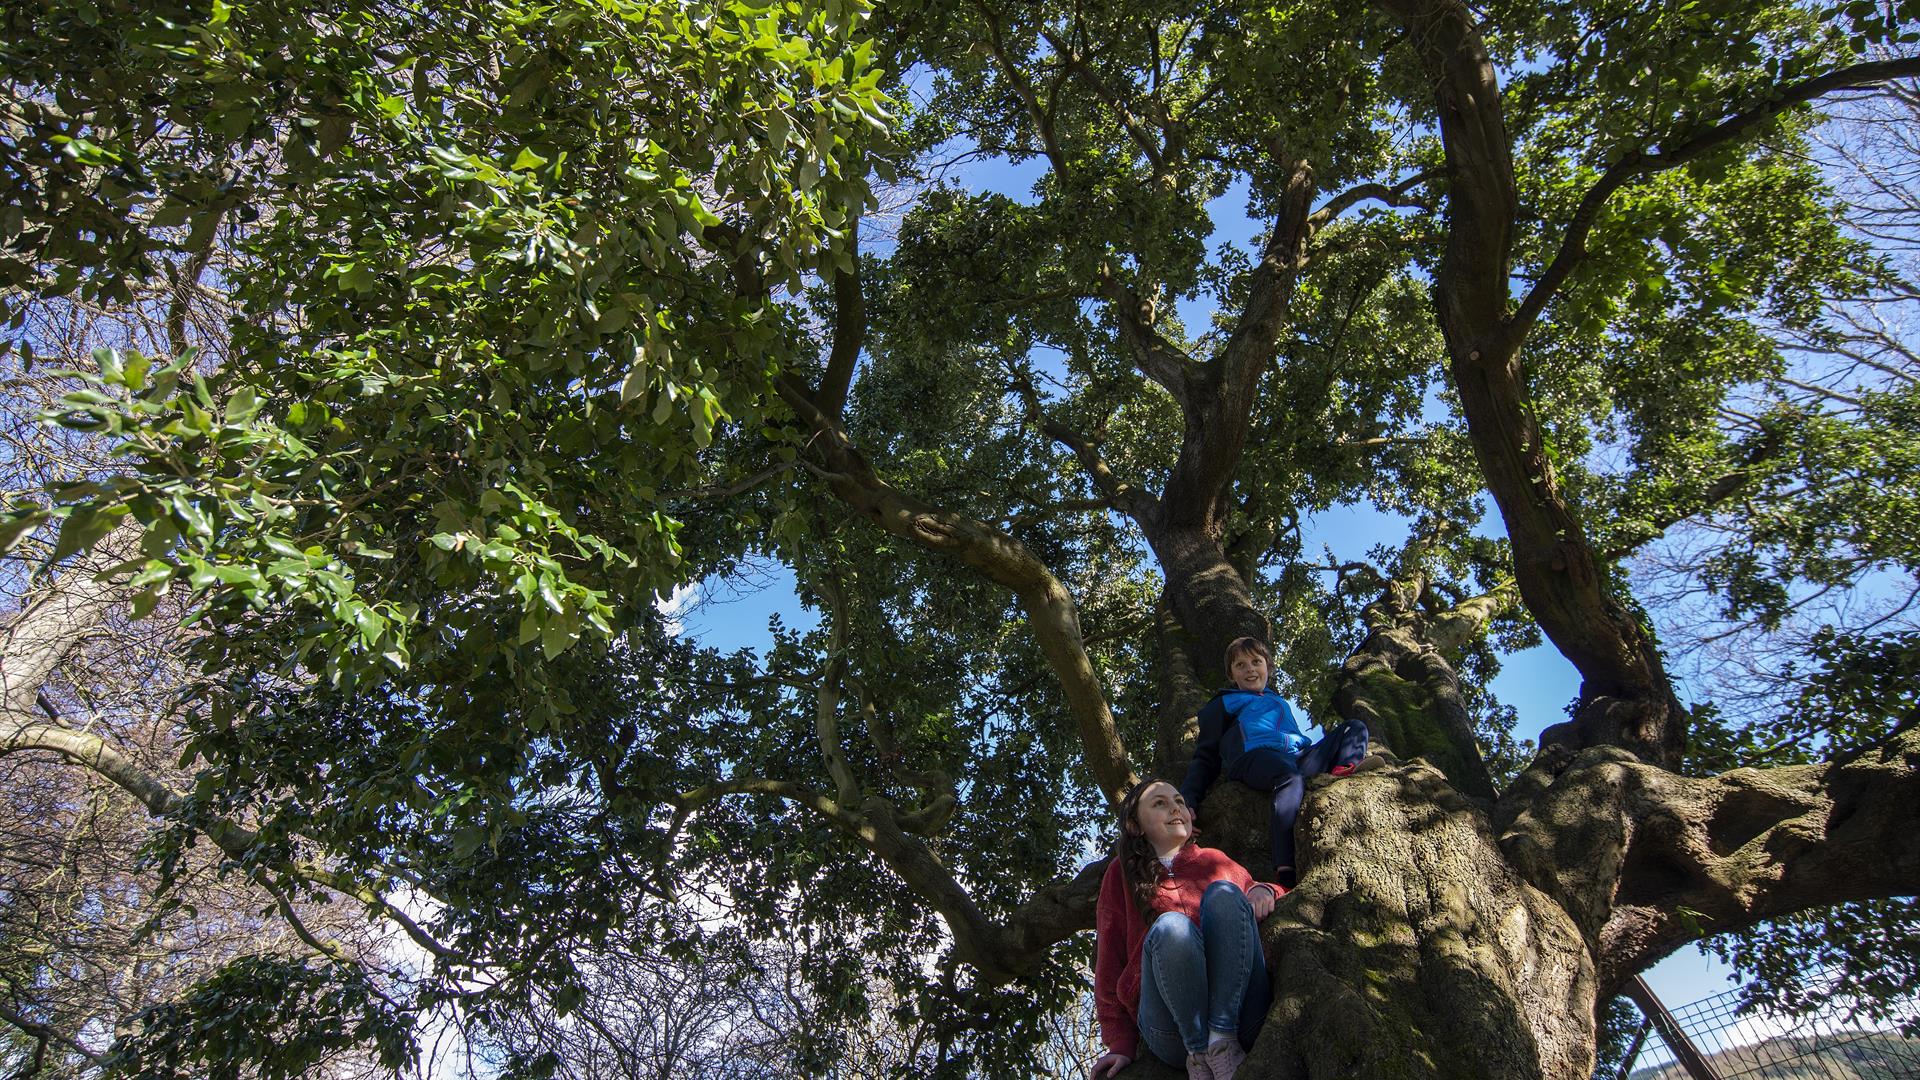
1438, 935
1400, 682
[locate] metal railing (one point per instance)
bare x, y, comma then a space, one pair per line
1720, 1038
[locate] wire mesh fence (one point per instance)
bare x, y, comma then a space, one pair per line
1739, 1043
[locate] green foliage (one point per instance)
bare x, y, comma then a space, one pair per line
489, 321
1866, 956
516, 284
269, 1017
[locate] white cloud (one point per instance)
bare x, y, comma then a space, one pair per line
675, 607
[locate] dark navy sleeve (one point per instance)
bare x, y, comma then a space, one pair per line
1206, 754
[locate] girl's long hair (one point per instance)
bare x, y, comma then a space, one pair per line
1139, 863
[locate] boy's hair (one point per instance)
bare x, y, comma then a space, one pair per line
1242, 647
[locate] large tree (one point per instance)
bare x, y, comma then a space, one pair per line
545, 309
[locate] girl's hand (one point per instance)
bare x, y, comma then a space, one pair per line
1109, 1065
1262, 898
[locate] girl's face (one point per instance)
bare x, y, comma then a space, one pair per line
1249, 671
1162, 816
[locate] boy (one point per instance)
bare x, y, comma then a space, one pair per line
1252, 730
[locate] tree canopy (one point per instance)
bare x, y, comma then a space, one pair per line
542, 310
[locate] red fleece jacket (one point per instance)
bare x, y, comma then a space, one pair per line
1121, 930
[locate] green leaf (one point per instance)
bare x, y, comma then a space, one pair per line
84, 528
17, 527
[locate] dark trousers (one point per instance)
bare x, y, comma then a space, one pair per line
1266, 769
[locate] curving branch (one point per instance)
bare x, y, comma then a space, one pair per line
1392, 195
1647, 861
998, 951
1051, 612
1022, 87
162, 802
1129, 498
1643, 162
42, 1034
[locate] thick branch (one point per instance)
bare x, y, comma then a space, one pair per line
1401, 682
1042, 117
1051, 613
1626, 696
1646, 860
1157, 358
849, 331
1217, 424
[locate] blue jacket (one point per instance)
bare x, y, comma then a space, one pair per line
1234, 722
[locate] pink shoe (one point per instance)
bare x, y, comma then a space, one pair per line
1224, 1057
1199, 1067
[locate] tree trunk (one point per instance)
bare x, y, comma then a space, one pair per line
1413, 949
1207, 594
1438, 935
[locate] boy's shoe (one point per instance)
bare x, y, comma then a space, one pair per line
1199, 1067
1286, 878
1224, 1057
1365, 764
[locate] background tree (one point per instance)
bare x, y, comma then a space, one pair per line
545, 311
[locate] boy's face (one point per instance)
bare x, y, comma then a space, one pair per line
1249, 671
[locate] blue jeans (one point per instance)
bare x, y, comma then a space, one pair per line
1200, 976
1266, 769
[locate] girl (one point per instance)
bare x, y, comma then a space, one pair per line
1178, 962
